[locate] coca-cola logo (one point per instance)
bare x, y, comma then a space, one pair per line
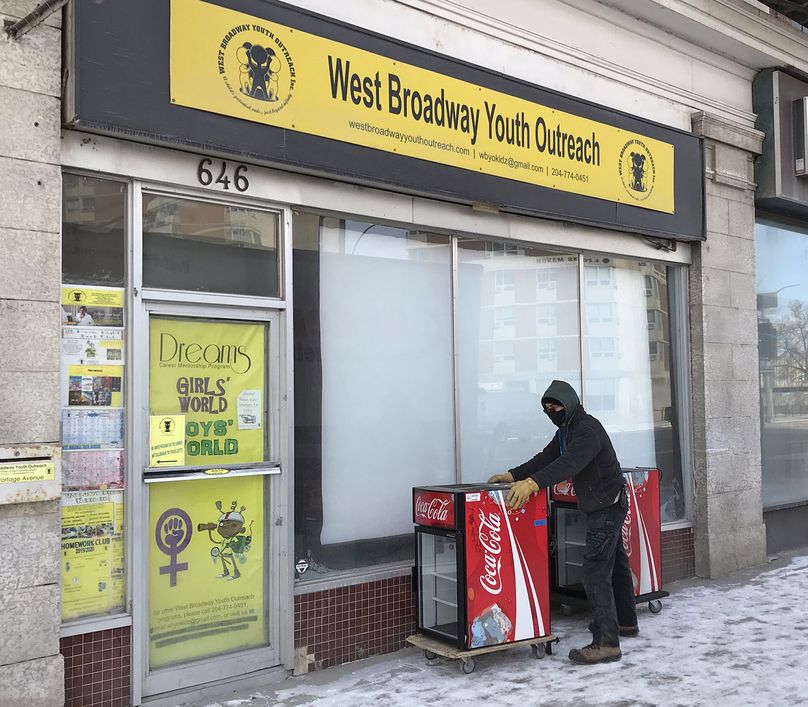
434, 509
490, 536
626, 529
564, 488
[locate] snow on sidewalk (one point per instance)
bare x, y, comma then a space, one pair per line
742, 640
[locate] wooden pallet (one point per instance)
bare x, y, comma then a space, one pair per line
434, 647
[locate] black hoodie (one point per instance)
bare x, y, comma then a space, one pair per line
588, 460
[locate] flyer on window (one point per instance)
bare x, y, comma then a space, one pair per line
94, 386
92, 306
92, 556
92, 428
213, 374
87, 345
93, 469
206, 568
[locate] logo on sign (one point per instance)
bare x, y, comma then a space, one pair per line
637, 169
172, 533
489, 534
257, 68
436, 509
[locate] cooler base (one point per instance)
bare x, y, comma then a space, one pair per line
574, 595
433, 648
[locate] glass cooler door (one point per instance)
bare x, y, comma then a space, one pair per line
570, 542
438, 590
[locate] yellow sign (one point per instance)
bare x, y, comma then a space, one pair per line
92, 307
92, 296
23, 472
166, 440
206, 568
93, 579
98, 386
242, 66
211, 372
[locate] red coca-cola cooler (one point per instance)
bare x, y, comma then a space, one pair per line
482, 569
641, 538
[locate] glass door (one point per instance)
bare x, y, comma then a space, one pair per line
210, 439
212, 605
438, 588
571, 544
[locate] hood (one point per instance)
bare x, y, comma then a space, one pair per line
562, 392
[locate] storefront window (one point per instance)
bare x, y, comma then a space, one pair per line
93, 404
511, 344
782, 309
375, 389
374, 412
209, 247
627, 354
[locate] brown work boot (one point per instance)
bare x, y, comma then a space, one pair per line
593, 653
628, 631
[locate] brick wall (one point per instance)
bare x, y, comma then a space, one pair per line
340, 625
97, 668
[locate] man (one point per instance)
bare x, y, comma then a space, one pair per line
84, 318
582, 451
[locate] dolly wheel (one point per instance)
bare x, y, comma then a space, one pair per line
467, 666
429, 655
655, 606
539, 650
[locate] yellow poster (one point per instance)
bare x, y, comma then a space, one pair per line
97, 386
93, 577
234, 64
207, 571
92, 306
211, 372
166, 440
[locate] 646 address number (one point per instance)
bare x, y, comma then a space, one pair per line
205, 174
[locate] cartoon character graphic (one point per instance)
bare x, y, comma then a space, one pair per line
259, 71
234, 539
638, 170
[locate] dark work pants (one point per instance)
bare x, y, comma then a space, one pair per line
607, 576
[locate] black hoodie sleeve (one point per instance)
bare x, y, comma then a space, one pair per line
542, 459
581, 450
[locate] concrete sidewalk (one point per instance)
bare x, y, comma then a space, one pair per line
741, 639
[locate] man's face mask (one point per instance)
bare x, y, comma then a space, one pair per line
556, 413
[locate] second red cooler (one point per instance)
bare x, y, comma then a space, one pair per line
641, 536
481, 568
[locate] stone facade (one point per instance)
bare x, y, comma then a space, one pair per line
31, 667
728, 507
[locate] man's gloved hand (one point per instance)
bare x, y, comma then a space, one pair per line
520, 492
505, 478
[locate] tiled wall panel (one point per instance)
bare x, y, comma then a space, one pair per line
97, 668
340, 625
